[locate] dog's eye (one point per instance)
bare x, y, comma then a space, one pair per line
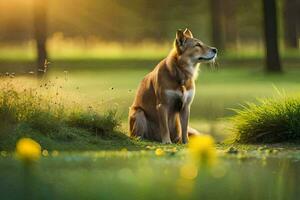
198, 45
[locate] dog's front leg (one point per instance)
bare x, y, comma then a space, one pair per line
163, 123
184, 120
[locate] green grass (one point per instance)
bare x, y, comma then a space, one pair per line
110, 83
272, 120
217, 90
40, 113
253, 172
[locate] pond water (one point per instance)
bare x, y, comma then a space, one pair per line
143, 175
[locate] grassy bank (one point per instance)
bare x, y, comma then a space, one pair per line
44, 113
272, 120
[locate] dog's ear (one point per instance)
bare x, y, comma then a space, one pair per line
180, 40
188, 33
180, 37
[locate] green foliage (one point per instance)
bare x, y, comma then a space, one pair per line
36, 112
93, 122
91, 83
272, 120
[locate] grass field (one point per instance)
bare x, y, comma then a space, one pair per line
111, 83
251, 172
218, 90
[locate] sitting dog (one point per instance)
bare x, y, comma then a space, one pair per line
161, 107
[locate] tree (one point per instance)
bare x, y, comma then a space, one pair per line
270, 35
230, 23
217, 23
291, 16
40, 33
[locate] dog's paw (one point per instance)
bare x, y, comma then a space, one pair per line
166, 141
185, 141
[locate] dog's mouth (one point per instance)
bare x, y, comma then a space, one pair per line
207, 58
210, 56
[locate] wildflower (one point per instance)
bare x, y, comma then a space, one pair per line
45, 152
202, 149
28, 150
159, 152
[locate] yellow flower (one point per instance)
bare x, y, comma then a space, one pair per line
159, 152
28, 150
202, 149
45, 152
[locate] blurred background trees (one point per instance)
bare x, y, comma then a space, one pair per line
271, 36
291, 23
231, 26
40, 32
217, 23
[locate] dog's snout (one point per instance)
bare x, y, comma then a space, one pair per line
215, 50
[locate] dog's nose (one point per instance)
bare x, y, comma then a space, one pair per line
215, 50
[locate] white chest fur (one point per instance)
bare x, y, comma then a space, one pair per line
185, 96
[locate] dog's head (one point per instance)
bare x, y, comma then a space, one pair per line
192, 50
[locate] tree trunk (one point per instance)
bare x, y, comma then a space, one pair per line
230, 23
217, 23
270, 32
40, 29
291, 16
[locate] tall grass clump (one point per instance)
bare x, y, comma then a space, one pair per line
272, 120
44, 112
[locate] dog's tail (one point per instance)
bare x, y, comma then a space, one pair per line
193, 132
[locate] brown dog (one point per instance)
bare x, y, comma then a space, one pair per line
161, 108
